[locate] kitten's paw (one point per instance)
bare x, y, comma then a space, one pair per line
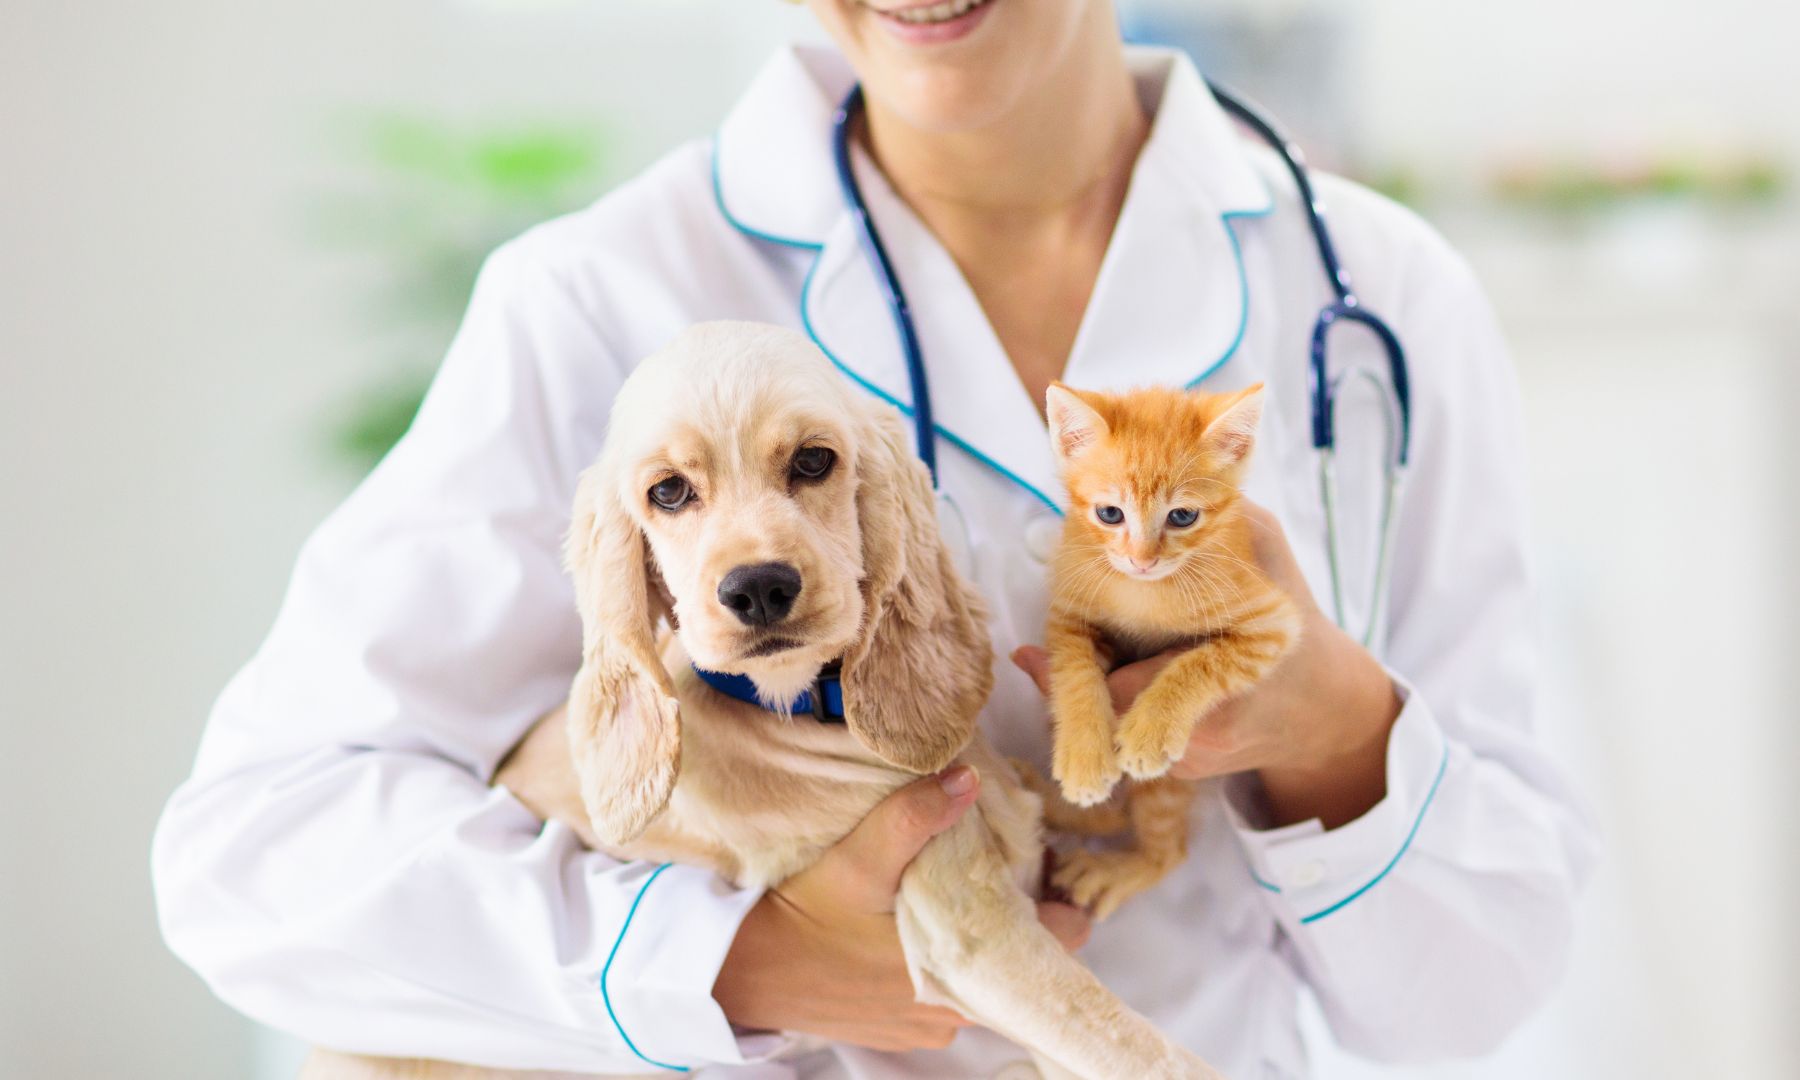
1059, 815
1100, 881
1149, 743
1030, 779
1086, 769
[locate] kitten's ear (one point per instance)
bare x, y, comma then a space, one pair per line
1075, 425
1232, 434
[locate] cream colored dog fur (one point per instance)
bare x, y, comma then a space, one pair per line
672, 770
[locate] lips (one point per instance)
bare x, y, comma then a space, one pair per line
928, 13
933, 22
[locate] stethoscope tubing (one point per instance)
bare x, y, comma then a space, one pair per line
876, 252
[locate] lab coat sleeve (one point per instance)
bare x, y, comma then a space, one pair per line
1431, 926
338, 866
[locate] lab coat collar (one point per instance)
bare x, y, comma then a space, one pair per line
1170, 306
772, 170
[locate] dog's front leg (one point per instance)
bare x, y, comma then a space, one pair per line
973, 940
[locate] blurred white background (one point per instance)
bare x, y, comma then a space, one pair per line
185, 319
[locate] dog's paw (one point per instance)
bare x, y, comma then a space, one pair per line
1150, 742
1100, 881
1086, 769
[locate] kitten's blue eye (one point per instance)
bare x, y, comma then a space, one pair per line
1183, 516
1109, 515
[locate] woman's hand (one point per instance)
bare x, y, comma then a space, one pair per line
1315, 730
819, 953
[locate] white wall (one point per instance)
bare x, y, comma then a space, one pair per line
1456, 87
170, 344
1463, 83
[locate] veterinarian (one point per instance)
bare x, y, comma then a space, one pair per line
1387, 834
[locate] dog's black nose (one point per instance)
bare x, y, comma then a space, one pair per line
760, 594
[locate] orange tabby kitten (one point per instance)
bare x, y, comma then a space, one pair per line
1155, 554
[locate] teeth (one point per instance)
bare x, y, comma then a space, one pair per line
937, 13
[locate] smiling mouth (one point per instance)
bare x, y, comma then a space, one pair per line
771, 646
928, 23
928, 14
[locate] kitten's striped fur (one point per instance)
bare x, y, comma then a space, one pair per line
1131, 588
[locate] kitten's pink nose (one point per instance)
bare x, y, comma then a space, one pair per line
1143, 566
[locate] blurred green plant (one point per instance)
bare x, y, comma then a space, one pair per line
1572, 188
1398, 183
423, 201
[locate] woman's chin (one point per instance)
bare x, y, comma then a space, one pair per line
960, 84
947, 97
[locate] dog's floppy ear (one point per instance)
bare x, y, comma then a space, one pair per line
921, 666
624, 720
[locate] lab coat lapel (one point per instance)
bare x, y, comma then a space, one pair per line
772, 172
1172, 302
978, 404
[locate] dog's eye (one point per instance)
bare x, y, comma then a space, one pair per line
1183, 516
813, 462
1109, 515
671, 492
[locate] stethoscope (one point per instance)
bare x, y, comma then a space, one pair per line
1323, 388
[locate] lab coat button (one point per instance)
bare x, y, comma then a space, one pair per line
1042, 534
1306, 875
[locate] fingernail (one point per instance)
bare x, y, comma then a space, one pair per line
958, 781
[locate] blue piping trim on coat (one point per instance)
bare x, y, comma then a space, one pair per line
620, 1028
949, 436
719, 198
1237, 254
1443, 764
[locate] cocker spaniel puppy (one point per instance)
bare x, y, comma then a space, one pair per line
780, 525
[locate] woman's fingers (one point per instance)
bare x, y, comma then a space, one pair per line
865, 866
1206, 757
1267, 538
1275, 555
1035, 662
1126, 683
1070, 924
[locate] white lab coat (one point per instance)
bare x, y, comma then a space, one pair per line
339, 868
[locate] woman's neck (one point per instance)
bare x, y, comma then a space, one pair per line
1026, 205
1049, 156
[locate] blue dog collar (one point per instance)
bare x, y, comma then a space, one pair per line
824, 702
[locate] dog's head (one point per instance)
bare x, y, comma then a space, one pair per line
779, 521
